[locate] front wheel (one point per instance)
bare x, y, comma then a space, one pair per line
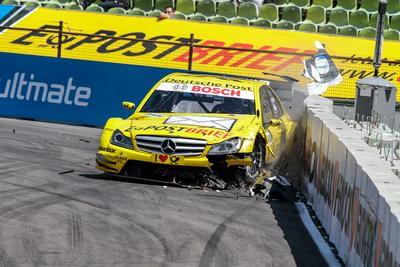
258, 158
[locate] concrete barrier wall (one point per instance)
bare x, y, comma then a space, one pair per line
353, 192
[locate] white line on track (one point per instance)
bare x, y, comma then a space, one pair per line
323, 247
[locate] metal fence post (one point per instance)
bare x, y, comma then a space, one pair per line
190, 51
59, 43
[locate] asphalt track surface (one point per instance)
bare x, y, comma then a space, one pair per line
57, 210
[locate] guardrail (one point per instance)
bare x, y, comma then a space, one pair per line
352, 191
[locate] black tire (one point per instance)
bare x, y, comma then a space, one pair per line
258, 155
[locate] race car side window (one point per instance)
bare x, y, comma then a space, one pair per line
265, 106
277, 110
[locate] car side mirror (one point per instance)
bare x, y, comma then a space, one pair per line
275, 122
128, 105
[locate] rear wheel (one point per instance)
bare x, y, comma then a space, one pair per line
258, 158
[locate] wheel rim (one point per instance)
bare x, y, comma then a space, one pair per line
254, 170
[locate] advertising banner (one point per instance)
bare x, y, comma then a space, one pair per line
71, 91
358, 51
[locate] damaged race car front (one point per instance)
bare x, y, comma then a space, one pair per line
188, 134
203, 156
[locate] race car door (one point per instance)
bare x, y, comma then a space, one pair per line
272, 124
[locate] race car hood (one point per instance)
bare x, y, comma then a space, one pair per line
211, 127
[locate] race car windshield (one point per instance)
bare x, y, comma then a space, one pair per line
185, 102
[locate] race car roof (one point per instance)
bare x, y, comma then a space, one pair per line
214, 81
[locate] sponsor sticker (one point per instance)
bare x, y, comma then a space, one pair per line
206, 90
183, 129
163, 158
210, 122
107, 149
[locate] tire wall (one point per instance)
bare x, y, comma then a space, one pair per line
354, 193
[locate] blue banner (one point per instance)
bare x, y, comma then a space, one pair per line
71, 91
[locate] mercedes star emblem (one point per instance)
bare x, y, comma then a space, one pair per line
168, 146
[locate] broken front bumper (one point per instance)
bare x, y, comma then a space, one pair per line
114, 160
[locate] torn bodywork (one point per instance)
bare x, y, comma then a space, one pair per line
224, 172
274, 188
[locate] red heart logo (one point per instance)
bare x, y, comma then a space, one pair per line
163, 157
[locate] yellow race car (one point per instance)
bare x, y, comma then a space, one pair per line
198, 129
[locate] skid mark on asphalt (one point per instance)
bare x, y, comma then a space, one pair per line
127, 229
74, 232
106, 211
211, 248
32, 250
5, 260
67, 195
36, 148
27, 210
13, 166
135, 242
155, 204
27, 234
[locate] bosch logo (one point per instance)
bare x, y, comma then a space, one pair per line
168, 146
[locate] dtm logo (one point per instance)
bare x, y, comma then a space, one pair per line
24, 89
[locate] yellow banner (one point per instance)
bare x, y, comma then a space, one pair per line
204, 59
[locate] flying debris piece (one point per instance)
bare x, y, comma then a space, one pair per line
214, 182
282, 189
280, 179
275, 188
251, 191
261, 190
321, 69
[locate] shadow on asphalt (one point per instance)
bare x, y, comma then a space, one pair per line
226, 193
139, 180
129, 179
120, 178
302, 246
